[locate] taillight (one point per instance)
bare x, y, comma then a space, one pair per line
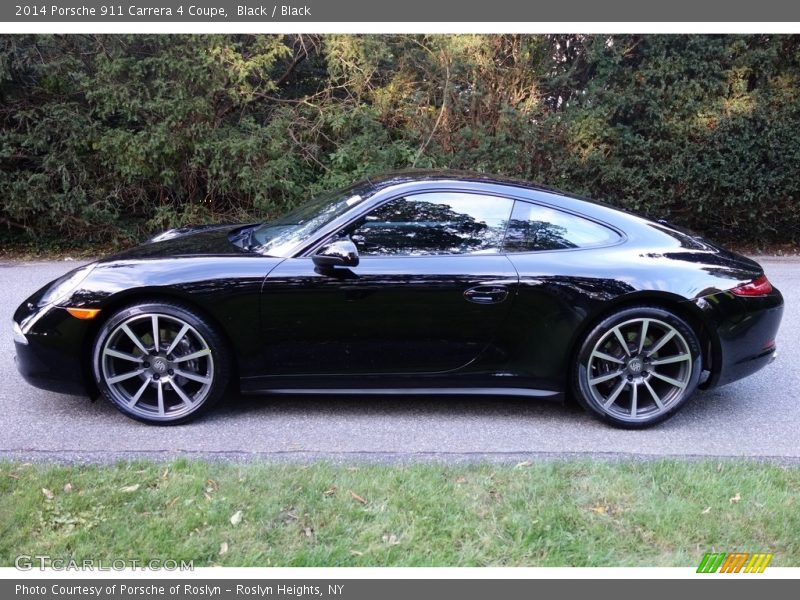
760, 286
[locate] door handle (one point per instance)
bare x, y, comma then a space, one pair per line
486, 294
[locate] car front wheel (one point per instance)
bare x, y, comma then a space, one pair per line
637, 367
160, 363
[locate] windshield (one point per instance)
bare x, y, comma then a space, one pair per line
277, 238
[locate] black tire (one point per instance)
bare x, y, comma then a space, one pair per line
165, 382
644, 382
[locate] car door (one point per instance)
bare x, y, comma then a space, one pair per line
428, 295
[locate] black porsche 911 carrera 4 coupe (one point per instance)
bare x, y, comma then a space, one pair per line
410, 283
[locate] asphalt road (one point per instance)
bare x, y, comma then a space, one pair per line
756, 417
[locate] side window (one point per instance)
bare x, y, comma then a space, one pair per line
434, 223
533, 227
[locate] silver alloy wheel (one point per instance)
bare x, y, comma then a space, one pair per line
158, 366
639, 369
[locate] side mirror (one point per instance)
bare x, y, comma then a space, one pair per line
340, 253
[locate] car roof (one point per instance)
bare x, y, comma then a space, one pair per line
388, 179
391, 178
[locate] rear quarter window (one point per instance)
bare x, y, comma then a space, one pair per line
534, 228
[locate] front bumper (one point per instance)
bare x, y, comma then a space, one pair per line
41, 374
51, 355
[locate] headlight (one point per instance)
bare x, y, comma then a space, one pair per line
62, 286
18, 335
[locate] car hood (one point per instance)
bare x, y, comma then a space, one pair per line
203, 240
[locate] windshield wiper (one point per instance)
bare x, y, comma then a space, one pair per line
250, 242
244, 237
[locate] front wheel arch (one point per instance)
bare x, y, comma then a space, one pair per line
122, 300
183, 357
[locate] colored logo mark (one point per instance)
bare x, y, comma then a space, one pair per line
738, 562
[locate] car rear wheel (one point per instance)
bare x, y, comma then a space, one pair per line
160, 363
637, 367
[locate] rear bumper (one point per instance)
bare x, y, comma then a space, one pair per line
747, 366
746, 330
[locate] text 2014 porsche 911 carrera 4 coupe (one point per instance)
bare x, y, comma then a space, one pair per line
417, 282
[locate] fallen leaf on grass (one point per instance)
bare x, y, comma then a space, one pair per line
236, 518
48, 494
223, 548
308, 532
526, 463
391, 539
68, 488
600, 510
212, 486
735, 499
330, 491
129, 488
461, 480
356, 497
356, 553
165, 473
706, 510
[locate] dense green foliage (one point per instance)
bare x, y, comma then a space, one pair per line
107, 138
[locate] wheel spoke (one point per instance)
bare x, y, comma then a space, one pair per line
669, 380
607, 357
643, 335
612, 380
664, 339
134, 338
193, 355
124, 376
653, 395
622, 341
135, 398
156, 337
179, 390
178, 338
122, 355
670, 359
605, 377
161, 410
193, 376
615, 394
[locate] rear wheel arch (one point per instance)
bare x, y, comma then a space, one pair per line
678, 305
636, 348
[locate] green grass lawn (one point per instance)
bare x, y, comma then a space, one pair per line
579, 513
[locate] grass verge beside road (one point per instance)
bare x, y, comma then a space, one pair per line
561, 513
